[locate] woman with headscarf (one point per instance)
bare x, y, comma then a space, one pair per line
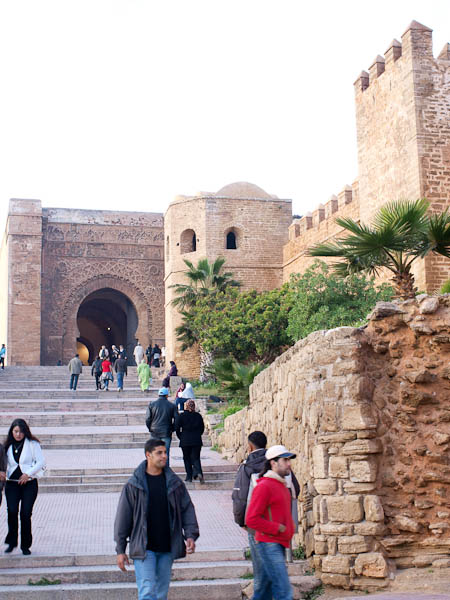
144, 375
189, 428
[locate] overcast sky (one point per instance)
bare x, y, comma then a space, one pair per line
123, 104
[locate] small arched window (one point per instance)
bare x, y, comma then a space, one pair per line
232, 238
167, 248
231, 241
188, 241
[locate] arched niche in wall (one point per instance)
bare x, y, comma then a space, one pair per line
188, 241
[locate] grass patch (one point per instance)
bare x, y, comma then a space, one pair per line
216, 448
45, 581
247, 575
247, 554
313, 594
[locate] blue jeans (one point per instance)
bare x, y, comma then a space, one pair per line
273, 560
119, 380
262, 587
153, 575
73, 381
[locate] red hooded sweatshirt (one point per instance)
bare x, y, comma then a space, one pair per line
270, 506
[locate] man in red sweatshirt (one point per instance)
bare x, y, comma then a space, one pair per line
270, 515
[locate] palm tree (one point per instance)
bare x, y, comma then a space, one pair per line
401, 233
235, 377
202, 280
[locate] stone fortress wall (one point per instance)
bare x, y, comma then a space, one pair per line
403, 140
368, 413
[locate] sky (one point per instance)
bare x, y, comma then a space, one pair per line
124, 104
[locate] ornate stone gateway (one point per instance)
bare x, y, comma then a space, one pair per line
81, 277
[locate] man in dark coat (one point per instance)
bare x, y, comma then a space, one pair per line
121, 369
156, 517
96, 370
160, 419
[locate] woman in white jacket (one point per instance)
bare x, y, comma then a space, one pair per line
25, 464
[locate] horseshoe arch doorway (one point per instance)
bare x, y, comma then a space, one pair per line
106, 317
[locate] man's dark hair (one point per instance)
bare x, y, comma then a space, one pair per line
151, 444
258, 439
267, 466
77, 355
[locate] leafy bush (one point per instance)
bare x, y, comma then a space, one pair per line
445, 289
323, 300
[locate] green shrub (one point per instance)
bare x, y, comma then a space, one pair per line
445, 289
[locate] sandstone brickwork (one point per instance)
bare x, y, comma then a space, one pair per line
259, 222
403, 139
368, 413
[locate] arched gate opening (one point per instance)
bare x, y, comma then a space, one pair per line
106, 317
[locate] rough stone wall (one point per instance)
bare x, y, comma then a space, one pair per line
84, 251
23, 245
317, 227
260, 223
367, 412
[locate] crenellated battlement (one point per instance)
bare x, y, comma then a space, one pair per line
416, 45
318, 219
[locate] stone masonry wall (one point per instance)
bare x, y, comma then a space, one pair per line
368, 413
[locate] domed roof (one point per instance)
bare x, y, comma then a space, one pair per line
243, 189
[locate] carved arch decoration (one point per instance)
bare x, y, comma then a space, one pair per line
121, 284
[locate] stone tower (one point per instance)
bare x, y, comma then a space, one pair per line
403, 130
242, 223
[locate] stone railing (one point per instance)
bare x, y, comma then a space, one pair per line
368, 413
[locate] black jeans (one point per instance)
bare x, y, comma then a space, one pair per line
191, 458
25, 495
74, 381
98, 377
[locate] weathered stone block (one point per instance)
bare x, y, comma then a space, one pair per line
345, 509
325, 486
362, 447
358, 416
338, 466
358, 488
336, 529
363, 471
320, 461
336, 564
373, 508
371, 564
369, 528
329, 417
354, 544
336, 580
406, 524
429, 305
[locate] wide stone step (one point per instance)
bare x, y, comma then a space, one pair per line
69, 405
75, 418
121, 478
52, 394
84, 488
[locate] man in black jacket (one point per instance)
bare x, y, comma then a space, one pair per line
156, 517
160, 419
96, 370
254, 464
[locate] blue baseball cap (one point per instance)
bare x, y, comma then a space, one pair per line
164, 391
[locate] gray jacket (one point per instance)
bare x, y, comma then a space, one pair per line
75, 366
130, 525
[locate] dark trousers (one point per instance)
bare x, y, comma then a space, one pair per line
2, 361
98, 377
191, 458
74, 381
25, 495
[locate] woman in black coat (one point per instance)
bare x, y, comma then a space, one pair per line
189, 428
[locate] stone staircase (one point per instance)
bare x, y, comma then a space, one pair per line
203, 576
80, 430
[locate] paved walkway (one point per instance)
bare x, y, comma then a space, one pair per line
83, 523
120, 458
